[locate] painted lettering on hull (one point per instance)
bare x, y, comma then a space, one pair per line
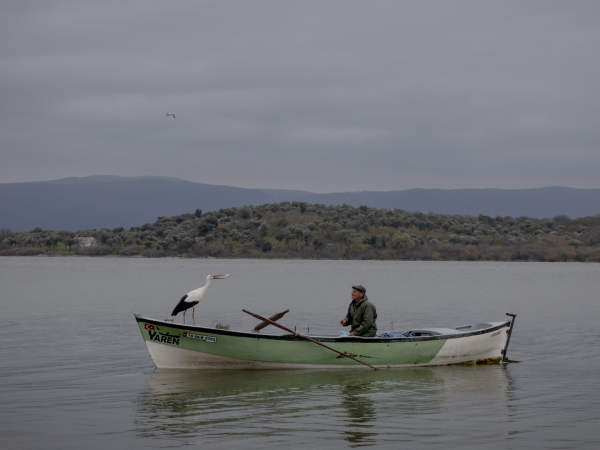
163, 338
200, 337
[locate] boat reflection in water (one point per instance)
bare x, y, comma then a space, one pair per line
318, 408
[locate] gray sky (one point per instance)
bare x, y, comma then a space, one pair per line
321, 96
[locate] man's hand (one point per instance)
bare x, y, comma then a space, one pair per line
343, 322
352, 334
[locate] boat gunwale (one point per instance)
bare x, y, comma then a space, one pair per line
345, 339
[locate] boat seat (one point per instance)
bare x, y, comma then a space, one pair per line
479, 326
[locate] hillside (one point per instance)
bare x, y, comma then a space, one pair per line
300, 230
109, 202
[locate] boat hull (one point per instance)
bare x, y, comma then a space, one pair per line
189, 347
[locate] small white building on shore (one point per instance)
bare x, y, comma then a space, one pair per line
86, 241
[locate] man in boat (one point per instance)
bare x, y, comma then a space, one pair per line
362, 314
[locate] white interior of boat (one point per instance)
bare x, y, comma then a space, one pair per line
417, 332
457, 330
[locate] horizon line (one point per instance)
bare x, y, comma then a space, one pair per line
288, 189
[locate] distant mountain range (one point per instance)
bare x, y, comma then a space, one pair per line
105, 201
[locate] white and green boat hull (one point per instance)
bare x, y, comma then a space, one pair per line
192, 347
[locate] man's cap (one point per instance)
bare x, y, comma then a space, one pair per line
361, 288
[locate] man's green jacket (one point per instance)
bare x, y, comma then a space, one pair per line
362, 317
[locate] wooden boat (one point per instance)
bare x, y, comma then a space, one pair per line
187, 346
180, 346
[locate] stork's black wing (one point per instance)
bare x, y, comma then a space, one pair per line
181, 306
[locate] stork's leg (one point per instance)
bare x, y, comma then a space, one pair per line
184, 317
193, 311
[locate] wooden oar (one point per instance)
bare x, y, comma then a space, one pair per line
274, 318
305, 337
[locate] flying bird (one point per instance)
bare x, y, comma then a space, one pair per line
192, 298
169, 114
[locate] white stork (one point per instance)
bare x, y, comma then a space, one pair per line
192, 298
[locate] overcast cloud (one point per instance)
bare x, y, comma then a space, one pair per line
321, 96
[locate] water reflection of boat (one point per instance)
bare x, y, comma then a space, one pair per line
358, 407
188, 346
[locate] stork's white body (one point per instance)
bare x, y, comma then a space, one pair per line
197, 294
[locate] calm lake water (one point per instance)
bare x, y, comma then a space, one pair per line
75, 374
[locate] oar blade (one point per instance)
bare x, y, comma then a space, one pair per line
274, 318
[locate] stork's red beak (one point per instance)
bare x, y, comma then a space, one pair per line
220, 277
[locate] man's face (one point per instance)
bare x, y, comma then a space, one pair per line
356, 295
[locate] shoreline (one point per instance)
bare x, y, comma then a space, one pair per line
247, 257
